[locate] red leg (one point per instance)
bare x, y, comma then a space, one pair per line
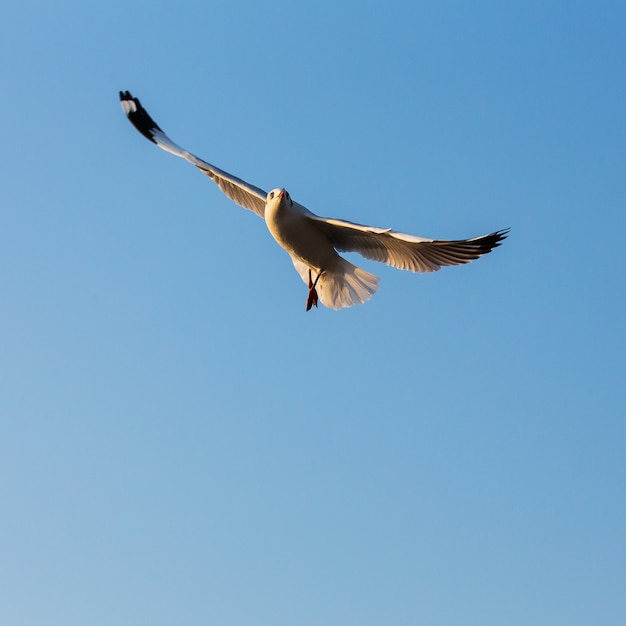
312, 297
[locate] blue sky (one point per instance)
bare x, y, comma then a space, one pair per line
180, 443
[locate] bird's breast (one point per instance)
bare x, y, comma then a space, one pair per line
298, 235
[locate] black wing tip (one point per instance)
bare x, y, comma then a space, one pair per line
493, 240
498, 237
138, 116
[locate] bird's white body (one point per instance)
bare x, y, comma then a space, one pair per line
313, 242
339, 283
287, 222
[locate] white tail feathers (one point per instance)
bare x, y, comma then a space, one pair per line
344, 286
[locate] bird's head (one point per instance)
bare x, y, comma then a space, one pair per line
279, 197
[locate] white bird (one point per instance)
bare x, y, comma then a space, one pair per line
312, 242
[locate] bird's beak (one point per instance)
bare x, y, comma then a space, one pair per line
281, 193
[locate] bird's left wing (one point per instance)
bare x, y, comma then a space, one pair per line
406, 252
241, 192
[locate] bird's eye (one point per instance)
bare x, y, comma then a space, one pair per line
271, 194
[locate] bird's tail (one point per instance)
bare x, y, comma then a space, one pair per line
343, 286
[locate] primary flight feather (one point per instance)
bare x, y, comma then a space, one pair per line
313, 242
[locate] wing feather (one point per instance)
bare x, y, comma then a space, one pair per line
238, 190
406, 252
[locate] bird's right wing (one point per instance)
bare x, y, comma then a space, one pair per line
241, 192
406, 252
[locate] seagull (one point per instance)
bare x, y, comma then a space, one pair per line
313, 242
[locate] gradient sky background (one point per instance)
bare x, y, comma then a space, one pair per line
180, 443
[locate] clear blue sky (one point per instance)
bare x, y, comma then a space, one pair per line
180, 443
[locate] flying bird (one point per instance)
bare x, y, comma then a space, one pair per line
313, 242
